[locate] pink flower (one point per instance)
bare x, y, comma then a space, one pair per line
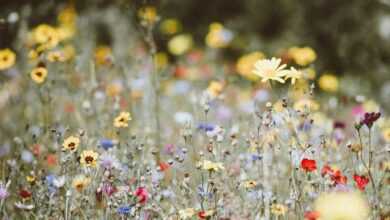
358, 111
142, 194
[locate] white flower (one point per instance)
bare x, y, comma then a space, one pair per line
270, 70
59, 181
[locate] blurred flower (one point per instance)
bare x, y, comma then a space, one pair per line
328, 83
80, 182
250, 184
71, 143
386, 134
161, 60
278, 209
211, 166
342, 205
218, 36
25, 194
170, 26
245, 64
88, 158
148, 14
20, 205
103, 55
67, 16
46, 35
106, 143
180, 44
306, 104
215, 88
7, 58
205, 214
124, 210
270, 70
56, 56
39, 74
312, 215
293, 74
4, 190
308, 165
302, 55
59, 181
142, 194
108, 161
361, 181
186, 213
121, 121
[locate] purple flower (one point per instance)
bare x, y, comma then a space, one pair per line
205, 127
370, 118
3, 191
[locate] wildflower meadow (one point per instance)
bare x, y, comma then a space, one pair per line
120, 112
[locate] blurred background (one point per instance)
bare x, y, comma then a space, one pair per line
351, 37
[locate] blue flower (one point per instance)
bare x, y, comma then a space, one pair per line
124, 210
206, 127
106, 143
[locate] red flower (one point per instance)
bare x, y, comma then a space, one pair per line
202, 215
163, 166
308, 165
142, 195
25, 194
338, 178
361, 181
326, 170
311, 215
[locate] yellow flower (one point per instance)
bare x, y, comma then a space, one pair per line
303, 104
218, 36
7, 58
180, 44
148, 14
56, 56
71, 143
270, 70
328, 83
121, 121
186, 213
385, 166
342, 205
170, 26
161, 60
386, 134
371, 106
89, 158
33, 54
67, 16
278, 209
113, 89
211, 166
80, 182
46, 35
215, 88
245, 65
250, 184
302, 55
293, 74
31, 179
39, 74
103, 55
